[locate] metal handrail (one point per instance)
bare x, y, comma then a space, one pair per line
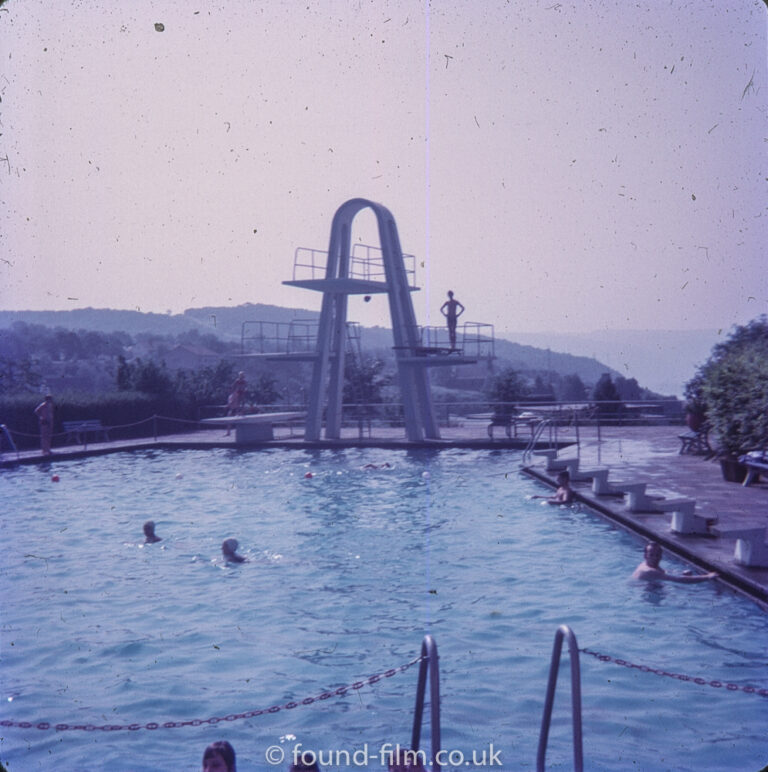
429, 662
7, 434
528, 452
573, 650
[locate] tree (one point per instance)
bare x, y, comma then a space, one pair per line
573, 389
732, 388
148, 377
264, 390
363, 380
507, 388
606, 395
628, 388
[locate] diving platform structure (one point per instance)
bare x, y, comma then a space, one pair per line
361, 269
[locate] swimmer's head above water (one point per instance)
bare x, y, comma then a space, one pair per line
219, 757
149, 533
229, 551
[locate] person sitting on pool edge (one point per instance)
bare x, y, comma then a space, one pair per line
219, 757
649, 569
564, 492
149, 533
229, 551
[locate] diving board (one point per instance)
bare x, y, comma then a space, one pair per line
254, 427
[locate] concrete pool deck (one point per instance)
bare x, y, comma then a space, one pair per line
647, 454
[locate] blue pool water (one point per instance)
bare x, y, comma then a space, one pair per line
348, 570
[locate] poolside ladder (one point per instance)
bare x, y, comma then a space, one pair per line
547, 423
429, 663
573, 650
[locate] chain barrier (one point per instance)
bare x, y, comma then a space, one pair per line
341, 691
679, 676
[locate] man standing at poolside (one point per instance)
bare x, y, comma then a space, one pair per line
649, 569
451, 310
44, 413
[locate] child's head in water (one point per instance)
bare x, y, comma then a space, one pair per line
405, 760
229, 551
300, 766
219, 757
149, 533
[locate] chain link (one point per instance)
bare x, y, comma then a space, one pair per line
341, 691
679, 676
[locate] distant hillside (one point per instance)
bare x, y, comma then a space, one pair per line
222, 321
102, 320
226, 322
661, 360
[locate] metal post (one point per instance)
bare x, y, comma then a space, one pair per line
429, 662
573, 651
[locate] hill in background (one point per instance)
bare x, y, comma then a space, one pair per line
661, 360
225, 322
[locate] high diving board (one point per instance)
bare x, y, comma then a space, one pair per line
434, 356
254, 427
346, 286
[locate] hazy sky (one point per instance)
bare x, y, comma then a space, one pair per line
560, 165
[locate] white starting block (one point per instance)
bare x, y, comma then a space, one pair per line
640, 501
751, 549
687, 521
254, 427
601, 486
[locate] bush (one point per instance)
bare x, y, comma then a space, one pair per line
732, 387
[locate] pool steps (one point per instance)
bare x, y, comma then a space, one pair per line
751, 548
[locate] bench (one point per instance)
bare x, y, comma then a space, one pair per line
255, 427
695, 443
78, 431
505, 421
755, 462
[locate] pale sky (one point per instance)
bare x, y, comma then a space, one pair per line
562, 166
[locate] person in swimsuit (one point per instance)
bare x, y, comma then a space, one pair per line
564, 492
236, 400
44, 413
451, 310
650, 570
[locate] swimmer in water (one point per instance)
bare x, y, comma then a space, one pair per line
149, 533
564, 492
385, 465
301, 766
229, 551
219, 757
650, 569
404, 760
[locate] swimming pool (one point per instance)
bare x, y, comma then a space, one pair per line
349, 568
